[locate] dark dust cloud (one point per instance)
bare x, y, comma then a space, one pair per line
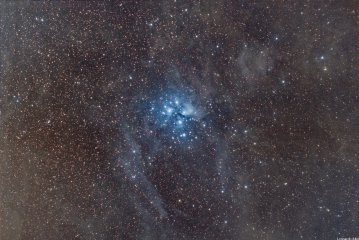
179, 119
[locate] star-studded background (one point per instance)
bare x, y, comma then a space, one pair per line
179, 120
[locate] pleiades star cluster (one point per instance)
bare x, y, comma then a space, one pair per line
179, 120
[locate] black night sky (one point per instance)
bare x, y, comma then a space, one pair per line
225, 119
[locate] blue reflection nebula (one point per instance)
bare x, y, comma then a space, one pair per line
176, 116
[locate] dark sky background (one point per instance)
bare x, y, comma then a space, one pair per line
179, 120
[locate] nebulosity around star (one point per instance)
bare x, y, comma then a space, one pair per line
178, 117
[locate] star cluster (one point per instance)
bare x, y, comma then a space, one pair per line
176, 116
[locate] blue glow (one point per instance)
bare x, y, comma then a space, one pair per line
175, 115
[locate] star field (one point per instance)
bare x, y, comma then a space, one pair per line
179, 120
